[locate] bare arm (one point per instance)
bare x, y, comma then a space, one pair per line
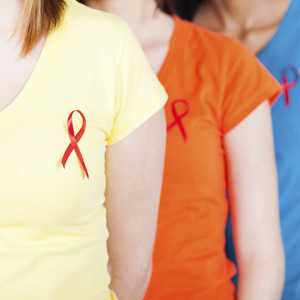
134, 171
254, 206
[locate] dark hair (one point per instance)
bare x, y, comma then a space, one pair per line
186, 9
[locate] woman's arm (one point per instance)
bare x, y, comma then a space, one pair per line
254, 206
134, 171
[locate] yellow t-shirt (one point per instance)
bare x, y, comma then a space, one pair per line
52, 219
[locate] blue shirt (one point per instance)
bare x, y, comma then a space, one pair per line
282, 57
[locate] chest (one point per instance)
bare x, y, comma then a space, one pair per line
35, 132
15, 70
195, 152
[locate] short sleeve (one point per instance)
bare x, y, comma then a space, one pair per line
139, 92
248, 84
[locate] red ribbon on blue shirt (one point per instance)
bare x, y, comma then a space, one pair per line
74, 140
287, 85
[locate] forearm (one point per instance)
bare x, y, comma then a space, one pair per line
261, 280
131, 283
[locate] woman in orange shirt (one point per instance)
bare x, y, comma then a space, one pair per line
219, 139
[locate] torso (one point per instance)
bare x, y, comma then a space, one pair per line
189, 257
187, 210
52, 219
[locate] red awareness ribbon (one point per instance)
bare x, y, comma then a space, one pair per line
74, 140
288, 85
179, 116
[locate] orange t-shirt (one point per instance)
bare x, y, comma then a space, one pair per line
213, 84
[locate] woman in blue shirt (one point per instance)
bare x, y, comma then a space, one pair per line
271, 30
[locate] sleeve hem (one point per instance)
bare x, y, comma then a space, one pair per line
143, 118
260, 98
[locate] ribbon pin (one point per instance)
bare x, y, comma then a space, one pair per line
179, 116
288, 85
74, 140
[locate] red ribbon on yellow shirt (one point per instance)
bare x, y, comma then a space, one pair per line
179, 115
74, 140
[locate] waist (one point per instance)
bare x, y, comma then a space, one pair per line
61, 273
190, 288
191, 265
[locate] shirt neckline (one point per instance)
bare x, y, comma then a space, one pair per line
32, 82
29, 83
173, 45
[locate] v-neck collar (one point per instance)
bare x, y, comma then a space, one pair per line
177, 41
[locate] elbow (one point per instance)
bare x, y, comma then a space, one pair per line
132, 276
273, 261
142, 274
270, 264
140, 278
273, 267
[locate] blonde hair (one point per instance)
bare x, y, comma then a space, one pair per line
38, 18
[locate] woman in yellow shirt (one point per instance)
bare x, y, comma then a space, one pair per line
71, 107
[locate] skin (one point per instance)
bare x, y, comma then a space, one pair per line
145, 20
253, 175
254, 207
134, 171
15, 69
251, 22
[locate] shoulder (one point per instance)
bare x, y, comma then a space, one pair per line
89, 25
214, 49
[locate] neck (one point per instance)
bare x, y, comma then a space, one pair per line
247, 13
147, 21
137, 13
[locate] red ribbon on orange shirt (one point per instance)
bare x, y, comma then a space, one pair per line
74, 140
179, 116
288, 85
